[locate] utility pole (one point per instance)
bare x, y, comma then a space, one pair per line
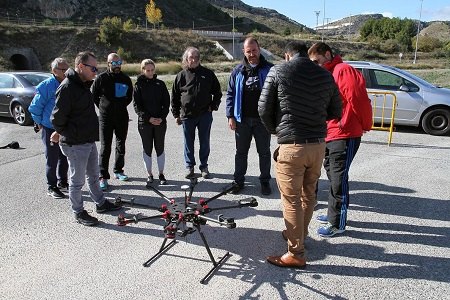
233, 34
317, 18
418, 30
323, 21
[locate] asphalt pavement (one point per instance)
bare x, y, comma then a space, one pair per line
396, 245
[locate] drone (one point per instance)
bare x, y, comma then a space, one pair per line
187, 217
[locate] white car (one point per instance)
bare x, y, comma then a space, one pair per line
419, 103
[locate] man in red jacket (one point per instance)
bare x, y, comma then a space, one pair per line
343, 135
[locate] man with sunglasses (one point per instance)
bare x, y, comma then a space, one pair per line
76, 129
113, 92
41, 109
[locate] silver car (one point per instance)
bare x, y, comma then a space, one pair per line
419, 103
17, 89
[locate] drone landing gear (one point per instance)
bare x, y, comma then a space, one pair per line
216, 264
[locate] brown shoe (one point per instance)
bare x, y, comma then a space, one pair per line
287, 261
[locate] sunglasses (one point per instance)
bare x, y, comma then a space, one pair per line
93, 69
116, 63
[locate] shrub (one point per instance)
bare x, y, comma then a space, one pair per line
110, 31
128, 25
125, 55
47, 22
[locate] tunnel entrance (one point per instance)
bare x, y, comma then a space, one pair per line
20, 62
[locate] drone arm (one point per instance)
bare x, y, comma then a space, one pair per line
224, 192
227, 222
248, 202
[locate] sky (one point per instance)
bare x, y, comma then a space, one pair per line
304, 11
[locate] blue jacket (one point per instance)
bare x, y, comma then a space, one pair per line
43, 102
235, 89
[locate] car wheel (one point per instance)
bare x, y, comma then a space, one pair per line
437, 121
21, 115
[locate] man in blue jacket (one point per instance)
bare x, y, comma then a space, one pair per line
41, 109
244, 88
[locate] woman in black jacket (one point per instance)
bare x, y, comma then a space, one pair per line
151, 103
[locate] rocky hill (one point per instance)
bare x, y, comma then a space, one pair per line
198, 14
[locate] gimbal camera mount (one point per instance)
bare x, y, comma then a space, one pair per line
186, 218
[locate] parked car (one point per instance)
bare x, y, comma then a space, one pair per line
419, 103
17, 89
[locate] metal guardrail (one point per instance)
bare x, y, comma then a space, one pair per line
381, 116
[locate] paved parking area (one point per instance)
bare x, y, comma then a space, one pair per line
396, 245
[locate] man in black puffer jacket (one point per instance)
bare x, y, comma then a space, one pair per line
297, 99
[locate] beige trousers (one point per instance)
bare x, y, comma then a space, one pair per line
298, 169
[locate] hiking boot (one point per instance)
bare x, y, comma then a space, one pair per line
265, 188
85, 219
322, 219
205, 173
329, 230
190, 173
149, 181
63, 186
121, 176
162, 179
238, 187
107, 206
103, 184
55, 193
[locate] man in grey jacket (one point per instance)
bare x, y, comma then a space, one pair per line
297, 99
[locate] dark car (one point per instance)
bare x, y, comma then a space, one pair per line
17, 89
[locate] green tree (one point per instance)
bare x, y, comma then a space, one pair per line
128, 25
110, 31
154, 14
287, 31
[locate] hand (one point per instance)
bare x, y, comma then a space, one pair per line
54, 137
232, 123
178, 121
155, 121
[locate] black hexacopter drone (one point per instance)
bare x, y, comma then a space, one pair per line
186, 218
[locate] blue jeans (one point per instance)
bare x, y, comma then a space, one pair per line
83, 164
56, 165
245, 130
203, 123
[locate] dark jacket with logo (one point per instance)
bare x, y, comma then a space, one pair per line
112, 93
151, 99
297, 99
194, 92
74, 116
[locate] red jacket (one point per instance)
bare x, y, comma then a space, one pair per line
356, 106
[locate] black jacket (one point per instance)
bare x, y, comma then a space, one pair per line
297, 99
112, 94
74, 116
151, 99
194, 91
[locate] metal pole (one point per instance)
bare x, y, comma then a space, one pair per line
418, 29
233, 35
323, 21
317, 18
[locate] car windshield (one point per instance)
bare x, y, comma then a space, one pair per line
412, 76
34, 79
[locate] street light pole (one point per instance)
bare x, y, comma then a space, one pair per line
317, 18
323, 21
418, 30
233, 34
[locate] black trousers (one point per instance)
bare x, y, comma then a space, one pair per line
339, 155
153, 135
108, 127
56, 166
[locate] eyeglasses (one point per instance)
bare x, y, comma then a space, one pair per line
93, 69
116, 63
62, 69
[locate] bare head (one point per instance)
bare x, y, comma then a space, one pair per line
148, 68
294, 48
114, 63
251, 50
191, 58
86, 65
320, 53
59, 67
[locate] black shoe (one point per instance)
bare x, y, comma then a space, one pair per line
238, 187
149, 181
265, 188
205, 173
107, 206
85, 219
63, 187
162, 179
190, 173
55, 192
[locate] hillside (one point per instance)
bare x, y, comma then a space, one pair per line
200, 14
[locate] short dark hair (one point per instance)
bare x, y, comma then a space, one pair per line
320, 48
251, 40
295, 47
83, 57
